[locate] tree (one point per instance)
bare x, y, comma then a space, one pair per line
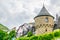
29, 34
12, 35
2, 35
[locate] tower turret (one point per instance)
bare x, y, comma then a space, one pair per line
44, 22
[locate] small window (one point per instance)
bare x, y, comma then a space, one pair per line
43, 24
40, 24
46, 19
46, 30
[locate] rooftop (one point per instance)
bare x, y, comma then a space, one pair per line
44, 12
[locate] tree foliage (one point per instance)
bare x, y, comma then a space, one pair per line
29, 34
2, 35
5, 36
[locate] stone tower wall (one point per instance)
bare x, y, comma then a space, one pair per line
42, 26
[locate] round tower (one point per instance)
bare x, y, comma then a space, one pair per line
44, 22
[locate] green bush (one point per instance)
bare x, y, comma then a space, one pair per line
2, 35
12, 33
9, 36
57, 34
29, 34
40, 37
47, 36
23, 38
34, 38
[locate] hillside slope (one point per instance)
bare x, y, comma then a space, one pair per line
2, 27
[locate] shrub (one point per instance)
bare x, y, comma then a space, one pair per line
23, 38
57, 34
12, 34
34, 38
40, 37
29, 34
47, 36
2, 35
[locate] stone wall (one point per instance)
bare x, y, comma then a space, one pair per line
42, 26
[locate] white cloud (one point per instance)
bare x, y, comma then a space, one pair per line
16, 12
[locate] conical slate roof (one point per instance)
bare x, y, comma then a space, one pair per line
44, 12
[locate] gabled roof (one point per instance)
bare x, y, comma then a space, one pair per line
44, 12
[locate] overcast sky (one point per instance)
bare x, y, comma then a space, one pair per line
16, 12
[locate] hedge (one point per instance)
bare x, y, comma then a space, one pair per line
47, 36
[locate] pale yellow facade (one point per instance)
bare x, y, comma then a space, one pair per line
42, 26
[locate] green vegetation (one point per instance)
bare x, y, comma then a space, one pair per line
7, 36
47, 36
4, 35
29, 34
12, 35
2, 27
